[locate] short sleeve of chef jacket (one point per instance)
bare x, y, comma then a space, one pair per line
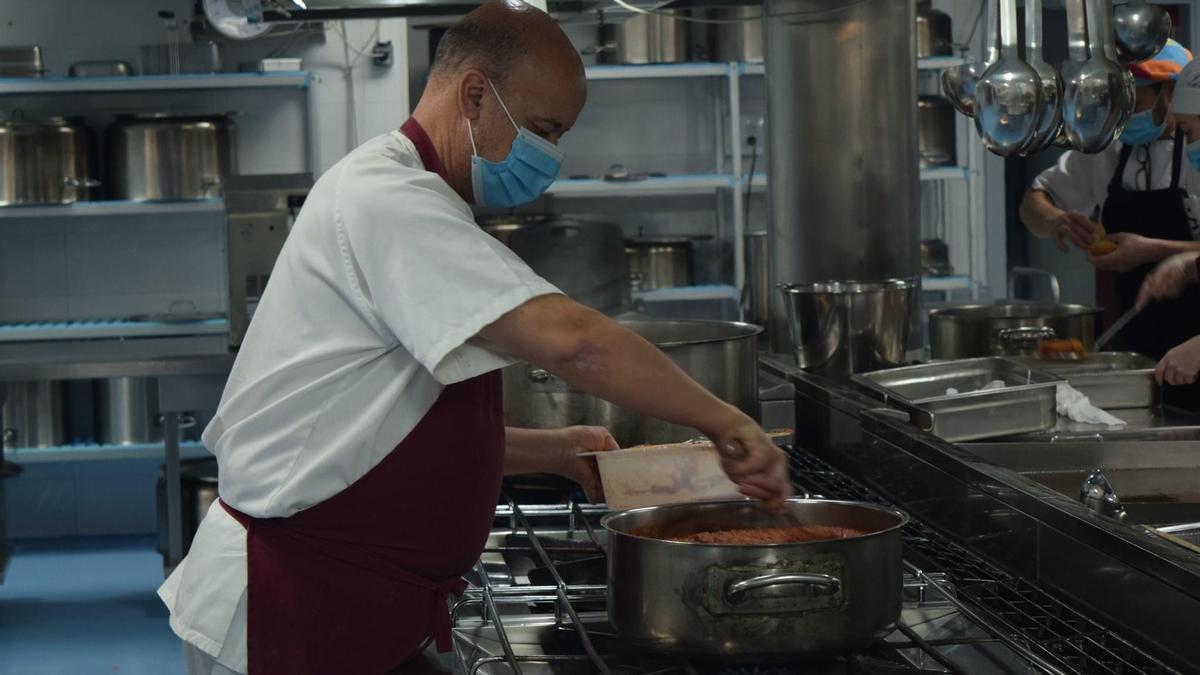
1079, 182
425, 273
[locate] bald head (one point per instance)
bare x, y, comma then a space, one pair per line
506, 66
501, 36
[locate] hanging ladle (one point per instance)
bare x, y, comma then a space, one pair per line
958, 83
1141, 30
1008, 97
1093, 86
1051, 113
1105, 11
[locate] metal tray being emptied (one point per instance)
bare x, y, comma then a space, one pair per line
1110, 380
1026, 404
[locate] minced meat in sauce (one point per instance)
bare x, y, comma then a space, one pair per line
759, 535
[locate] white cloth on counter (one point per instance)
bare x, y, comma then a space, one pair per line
990, 386
1079, 182
373, 306
1075, 406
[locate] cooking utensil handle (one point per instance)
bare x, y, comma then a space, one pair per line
1033, 30
818, 584
1008, 29
1077, 38
993, 32
1108, 35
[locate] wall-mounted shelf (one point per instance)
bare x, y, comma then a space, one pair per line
656, 71
114, 208
681, 184
70, 85
939, 62
931, 174
80, 452
109, 328
945, 173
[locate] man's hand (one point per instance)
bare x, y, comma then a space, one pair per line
582, 470
1132, 251
750, 459
1180, 365
1072, 227
1169, 279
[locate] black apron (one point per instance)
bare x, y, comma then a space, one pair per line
1156, 214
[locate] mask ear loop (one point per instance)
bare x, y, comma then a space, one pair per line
503, 107
471, 135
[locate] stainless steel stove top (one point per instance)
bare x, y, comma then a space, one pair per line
536, 606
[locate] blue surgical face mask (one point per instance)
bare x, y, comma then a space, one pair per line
1142, 130
1193, 154
530, 167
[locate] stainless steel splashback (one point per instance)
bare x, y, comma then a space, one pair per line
842, 100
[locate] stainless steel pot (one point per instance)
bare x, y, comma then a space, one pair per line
164, 156
659, 263
198, 487
33, 415
934, 35
644, 38
840, 328
128, 410
936, 135
586, 260
766, 602
502, 227
721, 356
1006, 328
740, 38
50, 161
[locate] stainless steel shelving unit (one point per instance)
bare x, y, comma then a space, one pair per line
731, 179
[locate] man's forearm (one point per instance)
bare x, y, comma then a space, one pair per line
1038, 212
531, 450
1165, 248
601, 357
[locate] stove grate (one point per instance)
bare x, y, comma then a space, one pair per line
1056, 637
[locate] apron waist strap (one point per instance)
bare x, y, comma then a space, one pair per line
441, 590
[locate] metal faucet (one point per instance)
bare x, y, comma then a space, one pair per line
1098, 495
1033, 273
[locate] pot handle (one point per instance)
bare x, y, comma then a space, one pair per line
818, 584
71, 181
1025, 334
539, 376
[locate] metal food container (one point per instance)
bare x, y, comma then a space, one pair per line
165, 156
664, 262
1110, 380
644, 38
128, 410
21, 61
47, 161
1026, 404
840, 328
33, 415
1006, 328
767, 602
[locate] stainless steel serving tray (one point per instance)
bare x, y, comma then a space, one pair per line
1110, 380
1026, 404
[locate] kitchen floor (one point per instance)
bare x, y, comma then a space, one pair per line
84, 606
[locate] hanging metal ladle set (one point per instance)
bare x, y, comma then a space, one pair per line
1022, 107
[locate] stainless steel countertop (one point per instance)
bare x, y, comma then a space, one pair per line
94, 359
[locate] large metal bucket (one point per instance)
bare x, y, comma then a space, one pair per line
839, 328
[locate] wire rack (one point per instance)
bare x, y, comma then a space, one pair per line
909, 654
1047, 631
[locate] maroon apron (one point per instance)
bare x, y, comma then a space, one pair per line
358, 582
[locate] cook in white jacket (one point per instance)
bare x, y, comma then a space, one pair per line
360, 437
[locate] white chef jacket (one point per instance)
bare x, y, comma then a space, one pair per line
371, 309
1079, 182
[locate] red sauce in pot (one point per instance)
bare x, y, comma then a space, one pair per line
752, 536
